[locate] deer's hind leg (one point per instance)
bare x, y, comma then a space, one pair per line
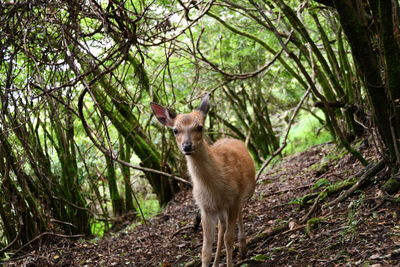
229, 237
242, 236
223, 219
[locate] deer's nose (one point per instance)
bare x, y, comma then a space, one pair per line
187, 146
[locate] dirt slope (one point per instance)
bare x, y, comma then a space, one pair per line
355, 232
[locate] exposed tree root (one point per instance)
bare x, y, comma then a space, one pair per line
306, 198
268, 233
385, 199
369, 172
193, 263
392, 185
180, 230
313, 208
351, 183
328, 191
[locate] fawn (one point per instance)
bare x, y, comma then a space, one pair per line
223, 176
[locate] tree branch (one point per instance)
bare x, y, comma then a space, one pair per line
284, 143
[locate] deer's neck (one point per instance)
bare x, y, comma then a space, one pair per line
202, 165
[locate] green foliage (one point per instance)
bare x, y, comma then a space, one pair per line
321, 183
149, 206
306, 133
98, 228
338, 186
337, 155
260, 257
330, 189
303, 200
391, 186
312, 224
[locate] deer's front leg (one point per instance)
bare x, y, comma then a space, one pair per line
223, 220
208, 222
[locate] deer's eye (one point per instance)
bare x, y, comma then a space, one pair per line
175, 131
199, 128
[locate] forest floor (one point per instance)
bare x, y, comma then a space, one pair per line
358, 231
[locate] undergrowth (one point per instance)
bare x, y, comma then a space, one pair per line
305, 133
149, 207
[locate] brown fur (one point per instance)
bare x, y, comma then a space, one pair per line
223, 176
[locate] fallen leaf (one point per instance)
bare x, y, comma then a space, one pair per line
292, 225
375, 256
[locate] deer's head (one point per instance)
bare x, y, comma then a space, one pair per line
187, 128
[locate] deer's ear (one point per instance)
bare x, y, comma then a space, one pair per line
164, 115
204, 106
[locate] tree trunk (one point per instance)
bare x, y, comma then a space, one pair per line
116, 200
125, 155
355, 28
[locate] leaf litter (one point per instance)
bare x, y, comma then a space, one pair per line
350, 233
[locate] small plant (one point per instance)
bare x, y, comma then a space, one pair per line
302, 201
306, 133
321, 183
149, 207
260, 257
98, 228
328, 191
352, 219
312, 224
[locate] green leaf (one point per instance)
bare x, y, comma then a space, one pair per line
260, 257
320, 183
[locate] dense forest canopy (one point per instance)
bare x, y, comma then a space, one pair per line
79, 147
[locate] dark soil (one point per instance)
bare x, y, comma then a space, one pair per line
352, 233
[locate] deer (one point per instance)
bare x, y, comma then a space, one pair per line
223, 178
